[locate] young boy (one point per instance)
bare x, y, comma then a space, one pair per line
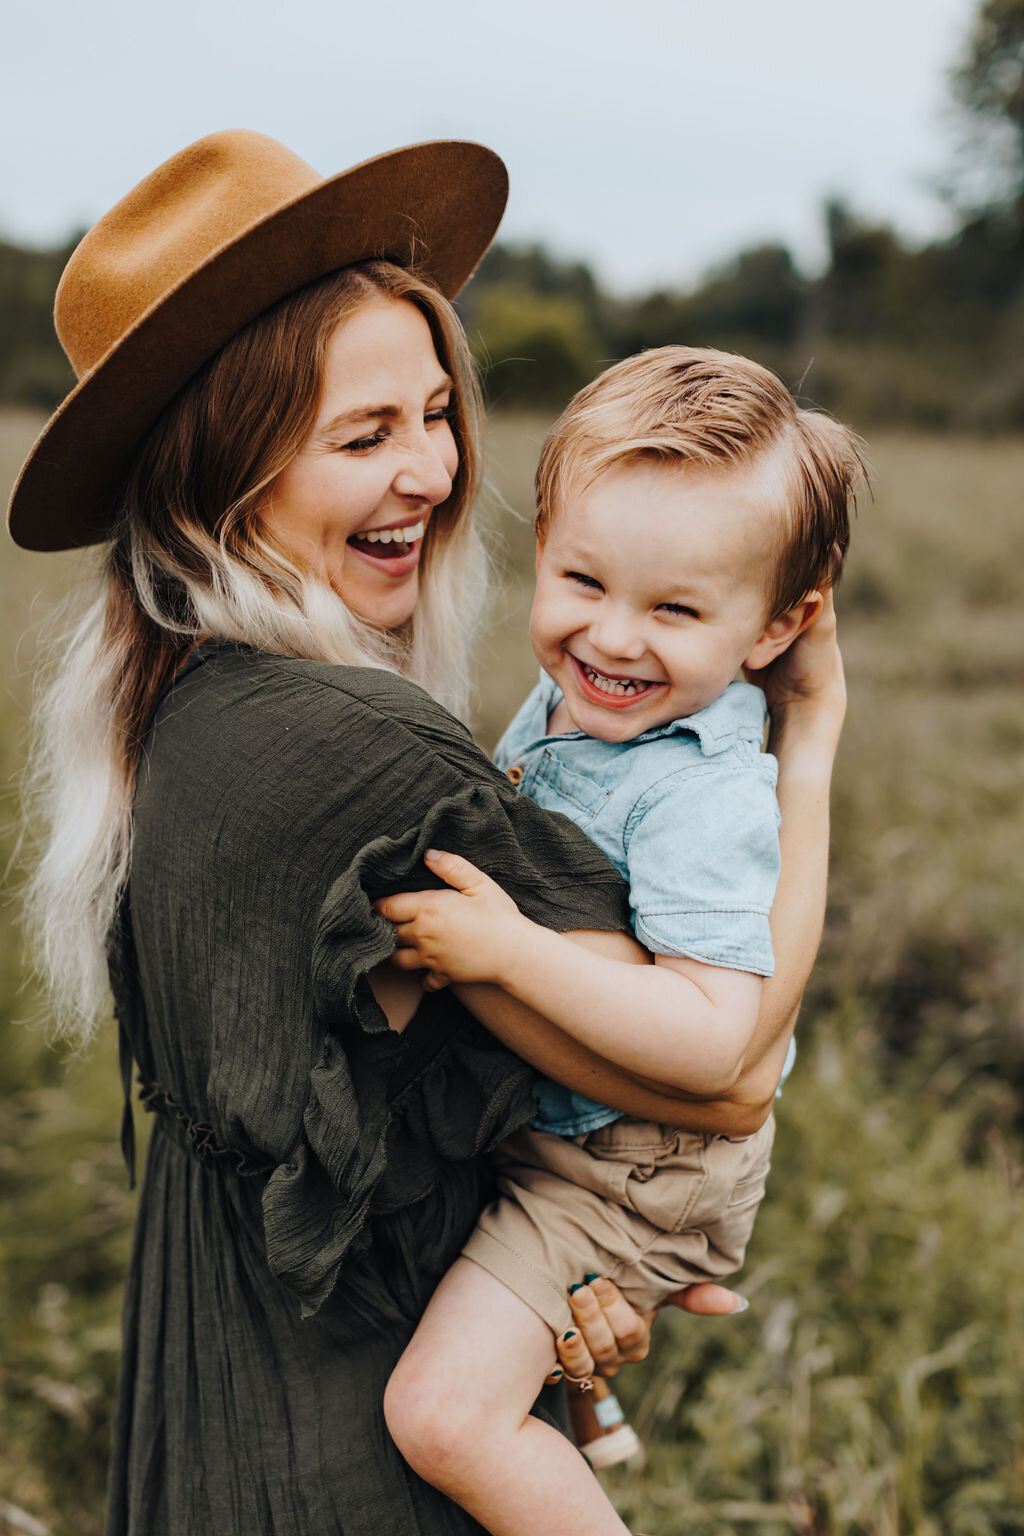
689, 518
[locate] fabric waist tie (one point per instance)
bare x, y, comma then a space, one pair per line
429, 1030
197, 1138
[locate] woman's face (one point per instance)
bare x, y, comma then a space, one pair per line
355, 502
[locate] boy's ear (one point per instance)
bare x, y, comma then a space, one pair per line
781, 632
538, 553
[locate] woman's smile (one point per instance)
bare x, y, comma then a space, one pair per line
395, 549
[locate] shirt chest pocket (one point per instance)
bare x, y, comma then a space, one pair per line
583, 796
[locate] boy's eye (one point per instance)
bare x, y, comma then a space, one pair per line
584, 581
678, 609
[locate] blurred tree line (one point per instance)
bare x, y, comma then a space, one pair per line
930, 336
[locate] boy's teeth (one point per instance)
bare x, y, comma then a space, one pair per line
612, 685
396, 535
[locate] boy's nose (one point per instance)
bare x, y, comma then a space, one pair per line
616, 638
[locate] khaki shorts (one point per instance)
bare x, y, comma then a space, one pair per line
652, 1207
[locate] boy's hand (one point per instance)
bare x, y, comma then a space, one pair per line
465, 934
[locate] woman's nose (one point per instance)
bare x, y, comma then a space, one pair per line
424, 472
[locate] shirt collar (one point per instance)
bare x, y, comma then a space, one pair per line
738, 714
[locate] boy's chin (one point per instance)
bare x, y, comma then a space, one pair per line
613, 725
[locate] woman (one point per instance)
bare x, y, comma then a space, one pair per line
245, 745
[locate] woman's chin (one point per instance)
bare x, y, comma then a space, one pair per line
384, 610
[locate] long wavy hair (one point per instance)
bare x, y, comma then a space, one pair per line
190, 557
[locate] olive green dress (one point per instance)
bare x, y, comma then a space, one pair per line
311, 1174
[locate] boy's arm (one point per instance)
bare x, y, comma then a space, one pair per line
678, 1022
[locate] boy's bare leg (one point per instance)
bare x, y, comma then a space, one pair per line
458, 1407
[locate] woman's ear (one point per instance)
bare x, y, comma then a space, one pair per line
779, 635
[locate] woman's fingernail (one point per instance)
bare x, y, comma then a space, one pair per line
556, 1372
742, 1305
571, 1334
577, 1287
592, 1276
431, 856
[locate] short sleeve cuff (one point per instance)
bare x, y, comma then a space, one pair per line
738, 941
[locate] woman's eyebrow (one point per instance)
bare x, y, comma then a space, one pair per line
368, 412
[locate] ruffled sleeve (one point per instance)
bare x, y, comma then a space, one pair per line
365, 1149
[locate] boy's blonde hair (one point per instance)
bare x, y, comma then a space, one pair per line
693, 405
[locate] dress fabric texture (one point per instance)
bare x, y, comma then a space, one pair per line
311, 1174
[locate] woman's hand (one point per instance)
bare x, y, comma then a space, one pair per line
607, 1333
805, 687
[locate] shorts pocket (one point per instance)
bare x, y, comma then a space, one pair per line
749, 1187
665, 1168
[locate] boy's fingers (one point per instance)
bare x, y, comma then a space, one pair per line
402, 908
436, 981
408, 960
453, 869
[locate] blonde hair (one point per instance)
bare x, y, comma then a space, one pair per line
188, 559
715, 410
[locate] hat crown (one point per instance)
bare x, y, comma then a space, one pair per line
170, 224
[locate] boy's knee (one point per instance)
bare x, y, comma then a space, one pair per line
428, 1422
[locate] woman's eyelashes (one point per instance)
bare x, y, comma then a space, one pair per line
364, 444
367, 444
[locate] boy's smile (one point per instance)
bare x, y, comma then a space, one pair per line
651, 593
616, 690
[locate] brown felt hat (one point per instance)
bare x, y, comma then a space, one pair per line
214, 236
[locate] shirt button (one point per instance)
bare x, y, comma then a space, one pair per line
515, 775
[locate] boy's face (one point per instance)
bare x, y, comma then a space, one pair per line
650, 592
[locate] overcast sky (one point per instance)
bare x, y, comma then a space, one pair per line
652, 137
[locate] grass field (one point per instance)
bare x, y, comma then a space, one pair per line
876, 1386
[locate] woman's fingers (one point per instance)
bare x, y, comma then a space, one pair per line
596, 1326
608, 1332
631, 1331
707, 1300
574, 1357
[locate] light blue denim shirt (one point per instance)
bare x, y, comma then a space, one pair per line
687, 814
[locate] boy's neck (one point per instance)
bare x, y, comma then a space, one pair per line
560, 720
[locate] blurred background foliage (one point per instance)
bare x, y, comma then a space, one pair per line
876, 1387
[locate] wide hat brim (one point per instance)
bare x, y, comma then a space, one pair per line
434, 206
